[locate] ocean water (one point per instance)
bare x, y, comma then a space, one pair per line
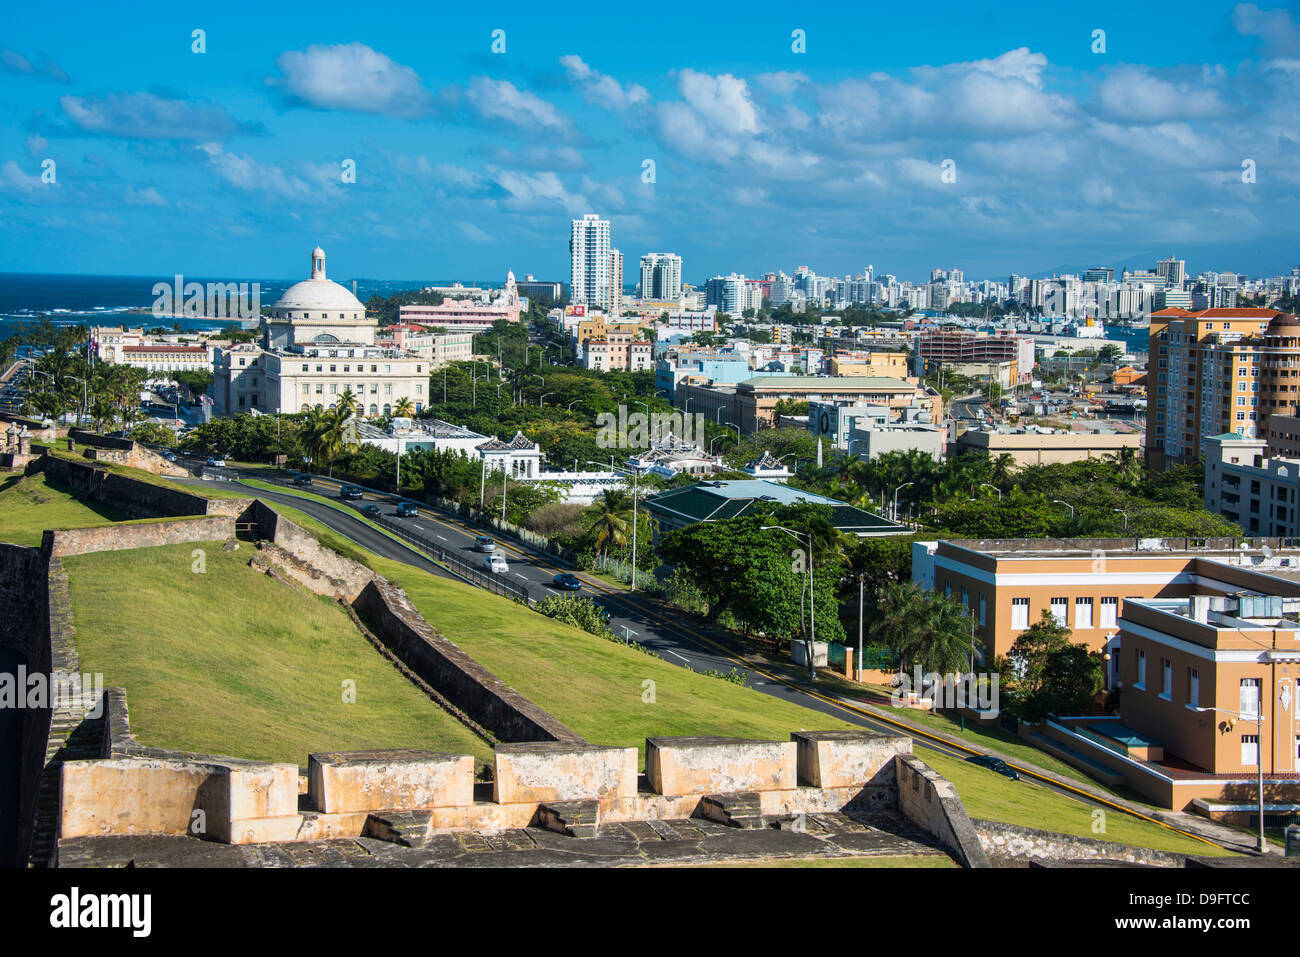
110, 300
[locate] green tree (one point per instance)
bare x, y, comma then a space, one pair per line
926, 629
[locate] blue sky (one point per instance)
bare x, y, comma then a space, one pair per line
469, 162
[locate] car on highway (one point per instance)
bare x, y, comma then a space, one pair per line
994, 764
495, 564
484, 543
169, 456
216, 461
566, 581
301, 479
350, 491
371, 509
406, 510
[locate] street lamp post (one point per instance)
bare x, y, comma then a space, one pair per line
399, 465
1057, 501
724, 435
812, 598
542, 399
1259, 755
573, 403
994, 487
1125, 514
896, 491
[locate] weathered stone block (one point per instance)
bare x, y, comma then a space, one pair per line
349, 781
535, 772
713, 765
835, 759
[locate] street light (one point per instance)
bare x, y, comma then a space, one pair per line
1125, 514
724, 435
542, 399
573, 403
896, 491
994, 487
636, 476
1057, 501
1259, 755
812, 608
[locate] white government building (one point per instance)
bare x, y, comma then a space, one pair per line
316, 344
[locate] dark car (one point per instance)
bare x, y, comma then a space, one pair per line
406, 510
372, 509
302, 480
566, 581
350, 491
994, 764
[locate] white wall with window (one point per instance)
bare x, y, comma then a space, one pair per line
1141, 669
1249, 700
1250, 749
1193, 688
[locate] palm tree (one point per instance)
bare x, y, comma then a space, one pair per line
102, 410
612, 525
347, 401
926, 629
1127, 468
404, 408
1000, 469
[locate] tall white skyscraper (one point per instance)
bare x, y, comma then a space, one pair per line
616, 282
661, 276
589, 253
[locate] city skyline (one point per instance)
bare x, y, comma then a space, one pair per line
467, 162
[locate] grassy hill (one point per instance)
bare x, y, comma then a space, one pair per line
232, 662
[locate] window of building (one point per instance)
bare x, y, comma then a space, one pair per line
1193, 688
1020, 613
965, 596
1059, 609
1250, 749
983, 611
1166, 679
1109, 613
1249, 701
1142, 669
1083, 613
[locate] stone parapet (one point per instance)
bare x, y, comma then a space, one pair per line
711, 765
351, 781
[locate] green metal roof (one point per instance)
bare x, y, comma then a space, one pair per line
710, 502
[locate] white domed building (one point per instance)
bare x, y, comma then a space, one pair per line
317, 310
317, 345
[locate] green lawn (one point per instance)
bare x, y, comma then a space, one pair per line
596, 687
30, 504
988, 795
232, 662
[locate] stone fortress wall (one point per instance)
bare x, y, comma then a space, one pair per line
544, 774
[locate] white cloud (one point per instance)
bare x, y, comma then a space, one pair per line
37, 144
538, 191
601, 89
1135, 94
1277, 29
13, 177
502, 100
144, 197
149, 117
247, 174
782, 82
722, 101
351, 76
473, 233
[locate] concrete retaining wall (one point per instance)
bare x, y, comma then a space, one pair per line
1012, 843
834, 759
930, 801
138, 499
112, 538
485, 698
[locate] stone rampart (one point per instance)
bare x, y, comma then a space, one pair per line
930, 801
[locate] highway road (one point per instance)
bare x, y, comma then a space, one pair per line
671, 635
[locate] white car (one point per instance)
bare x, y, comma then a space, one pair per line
495, 564
217, 462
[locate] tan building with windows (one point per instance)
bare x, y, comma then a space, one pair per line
1048, 448
868, 364
1200, 637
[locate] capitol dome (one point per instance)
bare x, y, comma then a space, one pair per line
317, 311
317, 297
